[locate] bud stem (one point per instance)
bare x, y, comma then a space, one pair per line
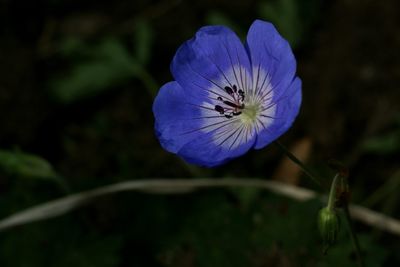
353, 235
299, 163
332, 193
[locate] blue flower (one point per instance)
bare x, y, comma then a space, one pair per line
227, 97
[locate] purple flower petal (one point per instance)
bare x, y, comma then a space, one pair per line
174, 117
212, 149
287, 109
205, 62
269, 50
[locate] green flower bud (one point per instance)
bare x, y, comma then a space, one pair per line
328, 224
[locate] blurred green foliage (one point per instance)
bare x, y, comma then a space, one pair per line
293, 18
17, 163
385, 144
143, 40
107, 63
103, 65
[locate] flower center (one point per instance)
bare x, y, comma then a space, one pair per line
234, 106
250, 113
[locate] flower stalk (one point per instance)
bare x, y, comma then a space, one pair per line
298, 162
339, 196
353, 236
343, 201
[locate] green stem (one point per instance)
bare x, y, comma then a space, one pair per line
331, 200
332, 193
353, 235
302, 166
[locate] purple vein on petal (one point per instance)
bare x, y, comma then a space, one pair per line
227, 122
262, 124
231, 133
233, 67
274, 103
207, 117
264, 86
211, 91
219, 69
200, 106
204, 77
240, 71
237, 137
255, 89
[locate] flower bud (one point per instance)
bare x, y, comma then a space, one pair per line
328, 224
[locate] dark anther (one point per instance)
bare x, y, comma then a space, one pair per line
230, 104
241, 94
233, 105
230, 108
219, 109
229, 90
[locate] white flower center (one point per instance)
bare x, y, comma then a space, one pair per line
240, 107
250, 113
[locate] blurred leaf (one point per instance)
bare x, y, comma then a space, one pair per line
72, 47
285, 14
386, 192
109, 63
26, 165
143, 41
383, 145
292, 18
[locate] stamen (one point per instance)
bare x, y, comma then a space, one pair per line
219, 109
231, 108
231, 104
241, 94
229, 90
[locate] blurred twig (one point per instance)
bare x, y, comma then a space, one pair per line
390, 186
353, 235
173, 186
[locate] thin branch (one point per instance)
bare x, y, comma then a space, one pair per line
64, 205
353, 235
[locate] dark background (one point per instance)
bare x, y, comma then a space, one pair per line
77, 81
